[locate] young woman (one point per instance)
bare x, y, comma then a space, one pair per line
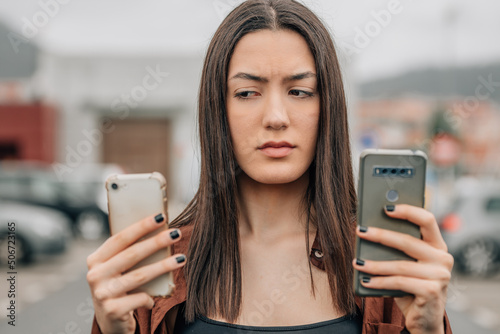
269, 237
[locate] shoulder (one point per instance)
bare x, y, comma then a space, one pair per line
383, 309
381, 315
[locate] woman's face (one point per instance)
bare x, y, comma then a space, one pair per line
273, 105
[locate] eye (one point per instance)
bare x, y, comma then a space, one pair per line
246, 94
301, 93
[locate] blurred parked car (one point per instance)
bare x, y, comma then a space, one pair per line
37, 184
38, 230
89, 179
472, 228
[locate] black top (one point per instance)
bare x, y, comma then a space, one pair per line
348, 324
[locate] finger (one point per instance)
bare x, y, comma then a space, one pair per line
138, 277
428, 289
402, 268
416, 248
139, 251
424, 219
118, 242
118, 308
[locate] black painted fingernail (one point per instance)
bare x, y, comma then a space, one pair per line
366, 279
389, 208
360, 262
174, 234
363, 229
159, 218
180, 259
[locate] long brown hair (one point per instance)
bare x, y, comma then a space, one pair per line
213, 266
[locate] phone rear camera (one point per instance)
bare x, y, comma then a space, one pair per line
114, 186
402, 171
393, 171
384, 171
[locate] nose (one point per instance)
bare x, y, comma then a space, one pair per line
275, 113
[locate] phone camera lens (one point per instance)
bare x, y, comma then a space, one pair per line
393, 171
114, 186
384, 171
402, 171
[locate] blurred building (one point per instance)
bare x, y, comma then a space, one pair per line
393, 123
138, 112
405, 122
456, 143
27, 131
481, 138
27, 125
73, 110
399, 112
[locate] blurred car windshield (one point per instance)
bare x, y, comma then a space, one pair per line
493, 205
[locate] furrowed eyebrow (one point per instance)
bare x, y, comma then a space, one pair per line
300, 76
252, 77
248, 76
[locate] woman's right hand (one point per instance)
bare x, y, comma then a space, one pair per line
109, 287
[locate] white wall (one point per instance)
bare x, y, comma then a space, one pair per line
86, 89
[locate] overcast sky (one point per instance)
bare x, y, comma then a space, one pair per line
417, 34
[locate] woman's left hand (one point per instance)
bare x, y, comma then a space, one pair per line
426, 279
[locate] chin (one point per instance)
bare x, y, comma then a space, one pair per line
276, 180
276, 176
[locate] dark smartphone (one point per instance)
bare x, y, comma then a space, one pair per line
387, 177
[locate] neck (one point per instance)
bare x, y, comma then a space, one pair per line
268, 211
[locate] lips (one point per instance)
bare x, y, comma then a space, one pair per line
276, 149
275, 144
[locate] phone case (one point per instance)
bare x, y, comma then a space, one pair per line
387, 177
132, 197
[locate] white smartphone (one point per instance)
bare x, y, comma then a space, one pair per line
132, 197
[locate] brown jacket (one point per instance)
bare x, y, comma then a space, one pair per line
380, 315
